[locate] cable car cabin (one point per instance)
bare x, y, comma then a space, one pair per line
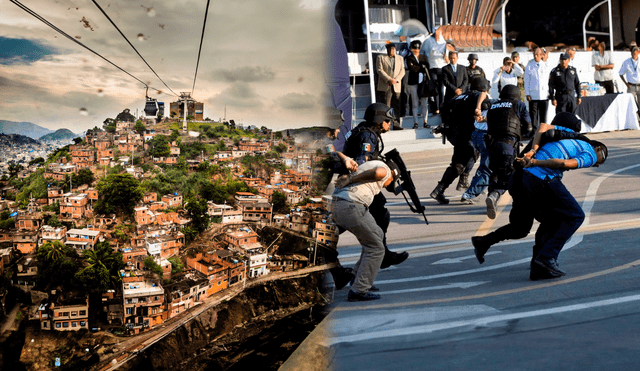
151, 108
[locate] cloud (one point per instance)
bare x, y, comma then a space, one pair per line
238, 95
297, 101
244, 74
23, 51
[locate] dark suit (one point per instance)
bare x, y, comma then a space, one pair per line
453, 81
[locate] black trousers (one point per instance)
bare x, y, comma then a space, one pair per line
521, 215
607, 85
566, 103
538, 112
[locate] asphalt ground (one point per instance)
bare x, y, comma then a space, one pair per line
442, 310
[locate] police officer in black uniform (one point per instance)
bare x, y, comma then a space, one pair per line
507, 122
473, 70
365, 144
458, 116
564, 86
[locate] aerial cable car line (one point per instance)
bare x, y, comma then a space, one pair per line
43, 20
204, 25
134, 48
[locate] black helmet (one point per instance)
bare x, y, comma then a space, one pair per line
567, 120
377, 113
605, 150
480, 84
510, 92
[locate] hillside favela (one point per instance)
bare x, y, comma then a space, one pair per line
154, 243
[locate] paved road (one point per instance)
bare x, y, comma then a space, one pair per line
441, 310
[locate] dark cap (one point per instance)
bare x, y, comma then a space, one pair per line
472, 56
415, 44
390, 45
564, 56
515, 54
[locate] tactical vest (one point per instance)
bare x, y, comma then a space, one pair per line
502, 120
353, 149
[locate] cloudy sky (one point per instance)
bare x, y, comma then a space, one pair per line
262, 59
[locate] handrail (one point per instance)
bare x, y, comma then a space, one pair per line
584, 24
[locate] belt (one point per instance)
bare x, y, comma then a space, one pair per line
567, 91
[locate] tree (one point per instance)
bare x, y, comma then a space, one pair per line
103, 271
279, 202
198, 211
118, 193
35, 161
151, 265
57, 266
176, 264
280, 148
109, 125
84, 176
14, 169
77, 140
126, 116
139, 127
190, 233
159, 146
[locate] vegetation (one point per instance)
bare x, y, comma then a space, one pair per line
118, 193
103, 270
159, 146
6, 221
150, 264
279, 202
198, 211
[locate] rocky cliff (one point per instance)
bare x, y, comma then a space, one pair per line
262, 325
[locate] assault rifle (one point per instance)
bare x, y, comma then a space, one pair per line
404, 183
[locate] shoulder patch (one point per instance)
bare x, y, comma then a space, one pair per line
366, 147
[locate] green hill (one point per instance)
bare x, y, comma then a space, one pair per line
60, 134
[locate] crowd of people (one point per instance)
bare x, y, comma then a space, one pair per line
492, 131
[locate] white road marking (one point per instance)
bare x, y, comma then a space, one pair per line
484, 321
460, 259
460, 285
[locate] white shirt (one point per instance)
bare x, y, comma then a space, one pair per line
536, 80
364, 192
630, 69
435, 51
507, 78
597, 59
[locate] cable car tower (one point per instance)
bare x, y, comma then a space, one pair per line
185, 102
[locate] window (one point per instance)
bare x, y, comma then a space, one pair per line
74, 314
45, 324
58, 325
83, 312
65, 324
65, 314
82, 323
129, 310
74, 324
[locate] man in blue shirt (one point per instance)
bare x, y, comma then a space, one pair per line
556, 209
538, 192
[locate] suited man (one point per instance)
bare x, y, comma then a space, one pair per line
390, 69
456, 80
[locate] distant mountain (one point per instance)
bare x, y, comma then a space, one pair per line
60, 134
23, 128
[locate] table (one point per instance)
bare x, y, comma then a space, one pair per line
608, 112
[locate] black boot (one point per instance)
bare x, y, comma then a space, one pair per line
438, 195
463, 182
393, 258
342, 276
481, 245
